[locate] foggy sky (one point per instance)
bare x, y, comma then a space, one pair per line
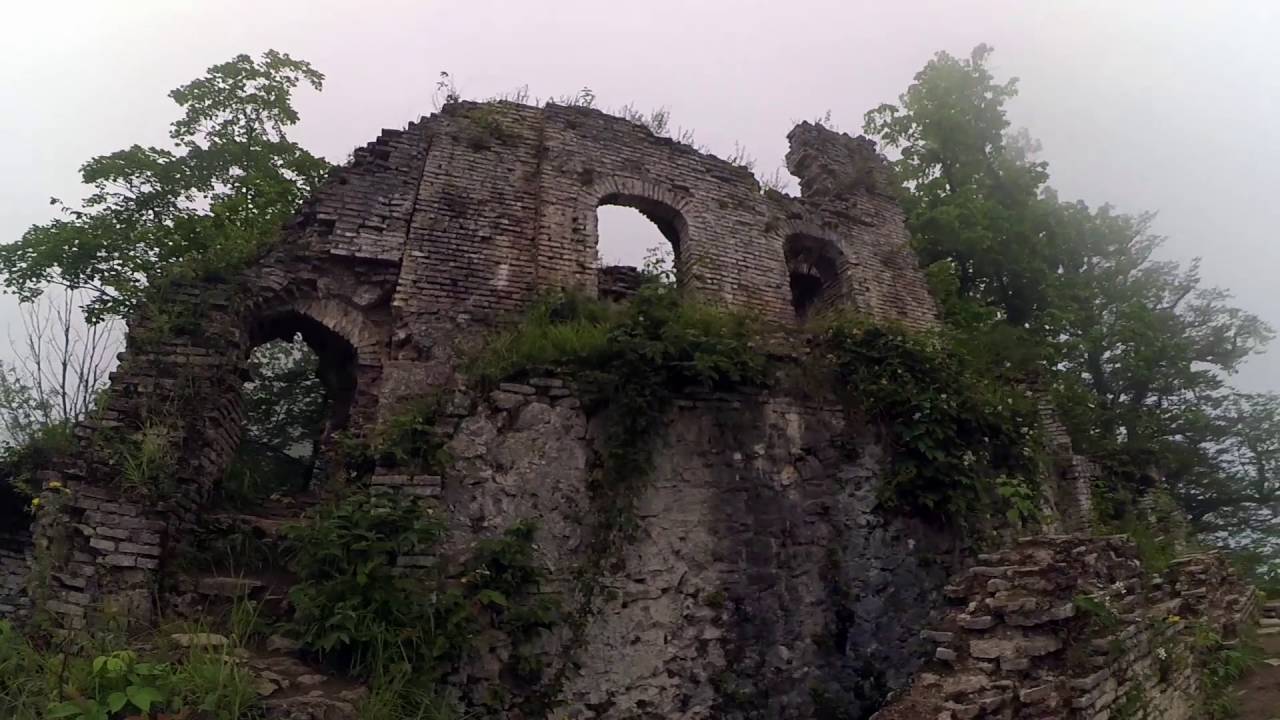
1153, 105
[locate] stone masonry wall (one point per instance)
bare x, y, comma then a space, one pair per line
15, 555
427, 237
1069, 627
762, 582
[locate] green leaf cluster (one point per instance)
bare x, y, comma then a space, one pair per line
961, 444
358, 608
208, 203
79, 678
1134, 348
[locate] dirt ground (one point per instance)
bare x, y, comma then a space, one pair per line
1260, 689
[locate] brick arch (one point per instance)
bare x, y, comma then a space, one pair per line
817, 267
666, 208
337, 317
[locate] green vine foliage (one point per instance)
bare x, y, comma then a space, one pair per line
90, 677
357, 609
630, 360
1224, 664
962, 444
410, 438
351, 605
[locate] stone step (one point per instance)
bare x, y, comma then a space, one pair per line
292, 688
1271, 609
199, 595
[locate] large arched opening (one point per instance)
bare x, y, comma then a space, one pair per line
814, 269
638, 236
298, 395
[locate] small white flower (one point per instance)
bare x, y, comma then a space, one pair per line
1162, 653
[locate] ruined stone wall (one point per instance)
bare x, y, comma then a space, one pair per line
1068, 487
427, 237
1069, 627
15, 554
762, 582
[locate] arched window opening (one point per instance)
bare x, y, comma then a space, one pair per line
299, 393
813, 266
628, 248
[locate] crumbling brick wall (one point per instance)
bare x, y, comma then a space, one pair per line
430, 232
1070, 627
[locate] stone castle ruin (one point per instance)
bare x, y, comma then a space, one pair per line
763, 580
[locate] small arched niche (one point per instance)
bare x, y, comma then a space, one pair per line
814, 268
627, 244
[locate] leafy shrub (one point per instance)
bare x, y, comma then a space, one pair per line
118, 683
71, 681
355, 607
559, 332
1224, 664
409, 438
503, 578
961, 444
19, 463
351, 604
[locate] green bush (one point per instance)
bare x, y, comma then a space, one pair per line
351, 605
357, 609
74, 681
962, 444
410, 439
1224, 665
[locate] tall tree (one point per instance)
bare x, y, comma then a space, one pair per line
1138, 350
208, 202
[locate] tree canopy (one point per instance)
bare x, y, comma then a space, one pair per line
1136, 350
210, 201
208, 204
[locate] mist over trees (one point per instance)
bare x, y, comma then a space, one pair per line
1136, 352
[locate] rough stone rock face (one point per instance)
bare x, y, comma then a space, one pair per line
1069, 627
761, 579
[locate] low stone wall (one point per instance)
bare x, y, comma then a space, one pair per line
1070, 627
15, 551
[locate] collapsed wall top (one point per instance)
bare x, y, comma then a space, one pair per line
484, 205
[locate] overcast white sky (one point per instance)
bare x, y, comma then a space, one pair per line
1151, 105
